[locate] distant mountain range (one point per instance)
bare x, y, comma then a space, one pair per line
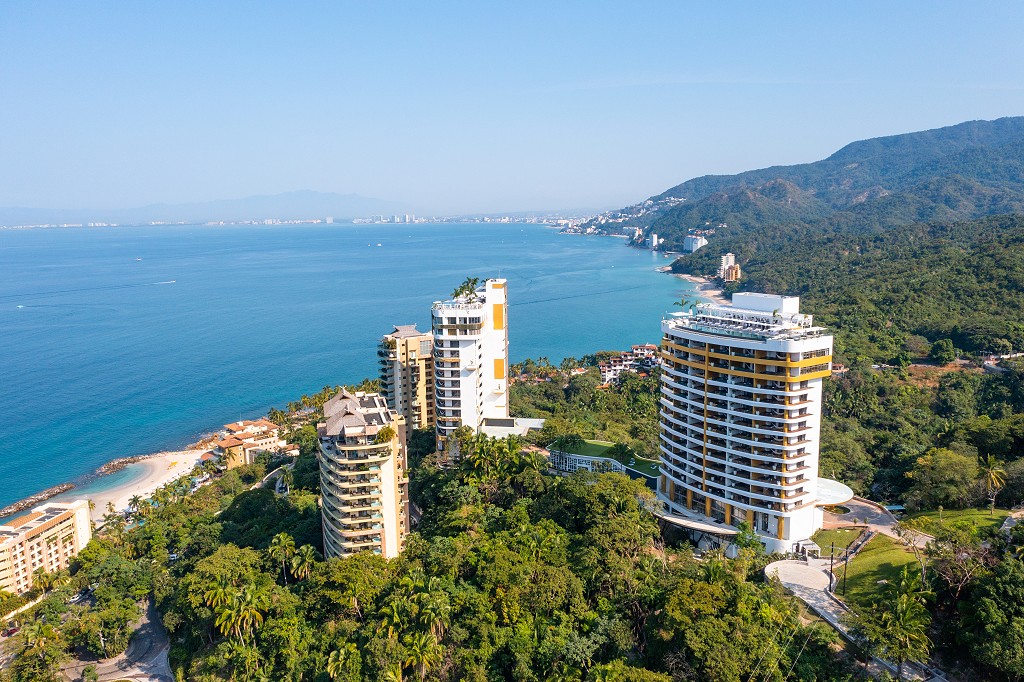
959, 172
287, 206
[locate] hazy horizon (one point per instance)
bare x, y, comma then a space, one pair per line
457, 109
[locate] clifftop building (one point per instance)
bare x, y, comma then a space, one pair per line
471, 360
740, 421
45, 538
363, 483
246, 439
407, 374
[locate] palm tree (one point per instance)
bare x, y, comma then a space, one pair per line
59, 579
37, 635
993, 477
904, 628
288, 478
282, 548
896, 627
219, 593
338, 661
42, 579
686, 303
135, 502
394, 673
303, 561
394, 618
467, 288
251, 602
422, 651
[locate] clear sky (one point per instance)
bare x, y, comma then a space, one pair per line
472, 106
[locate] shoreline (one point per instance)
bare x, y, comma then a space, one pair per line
705, 288
160, 468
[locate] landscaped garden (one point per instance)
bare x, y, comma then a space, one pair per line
882, 559
840, 538
931, 521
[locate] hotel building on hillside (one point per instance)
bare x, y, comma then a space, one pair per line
740, 421
243, 440
47, 538
471, 361
364, 489
407, 374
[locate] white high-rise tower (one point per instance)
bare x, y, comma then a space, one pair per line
740, 420
471, 359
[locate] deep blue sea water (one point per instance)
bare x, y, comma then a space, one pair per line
101, 357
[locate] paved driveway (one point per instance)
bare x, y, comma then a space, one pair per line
144, 660
874, 516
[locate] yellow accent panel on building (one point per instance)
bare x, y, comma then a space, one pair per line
499, 369
499, 315
782, 527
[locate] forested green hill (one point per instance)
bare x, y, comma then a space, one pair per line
961, 172
963, 281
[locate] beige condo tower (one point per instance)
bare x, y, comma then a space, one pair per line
407, 374
363, 483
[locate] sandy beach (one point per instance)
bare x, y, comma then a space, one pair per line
706, 289
160, 469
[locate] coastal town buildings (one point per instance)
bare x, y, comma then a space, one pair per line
407, 374
740, 421
46, 538
638, 359
694, 242
728, 260
243, 440
364, 489
471, 360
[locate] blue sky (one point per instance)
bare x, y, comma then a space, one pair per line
472, 106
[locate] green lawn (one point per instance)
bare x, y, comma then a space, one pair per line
644, 466
929, 521
881, 559
842, 537
595, 448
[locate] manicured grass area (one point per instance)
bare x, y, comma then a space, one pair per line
837, 509
599, 448
929, 521
644, 466
595, 448
881, 559
842, 537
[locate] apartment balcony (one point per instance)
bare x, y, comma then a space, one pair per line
360, 543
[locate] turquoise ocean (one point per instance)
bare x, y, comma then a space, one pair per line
122, 341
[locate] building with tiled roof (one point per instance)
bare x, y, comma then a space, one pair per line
363, 484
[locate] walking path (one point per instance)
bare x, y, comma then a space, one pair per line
809, 581
145, 660
875, 516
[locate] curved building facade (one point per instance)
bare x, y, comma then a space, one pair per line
740, 414
364, 490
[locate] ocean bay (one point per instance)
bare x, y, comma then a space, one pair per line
122, 341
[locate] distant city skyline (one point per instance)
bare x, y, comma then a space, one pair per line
449, 108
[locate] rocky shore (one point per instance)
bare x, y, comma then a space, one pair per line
32, 501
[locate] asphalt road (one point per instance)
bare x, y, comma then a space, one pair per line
145, 658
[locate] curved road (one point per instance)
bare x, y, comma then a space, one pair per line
144, 660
